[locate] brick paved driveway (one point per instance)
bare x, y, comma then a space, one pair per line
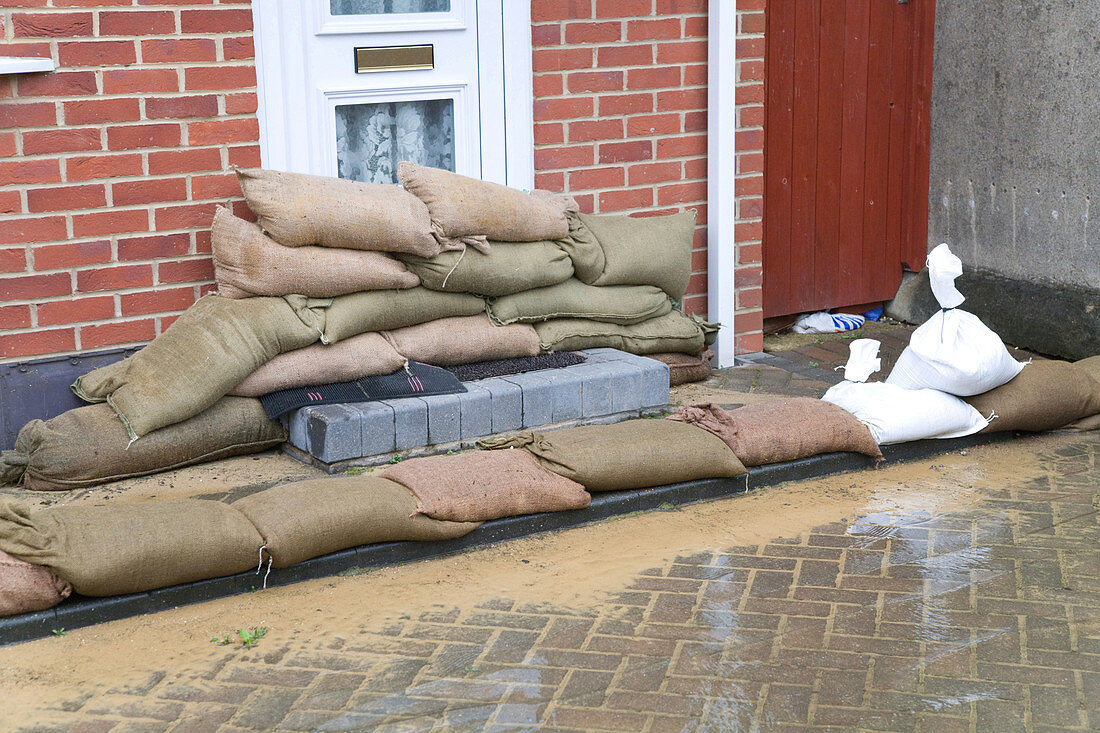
986, 619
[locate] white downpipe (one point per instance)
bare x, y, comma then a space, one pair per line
721, 167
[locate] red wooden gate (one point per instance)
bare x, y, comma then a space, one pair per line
848, 85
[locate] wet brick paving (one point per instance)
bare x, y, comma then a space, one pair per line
980, 620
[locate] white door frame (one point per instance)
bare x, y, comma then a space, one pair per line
721, 174
278, 26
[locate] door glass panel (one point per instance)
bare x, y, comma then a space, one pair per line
387, 7
372, 138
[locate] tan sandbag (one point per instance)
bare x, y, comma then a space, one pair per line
463, 340
649, 250
385, 310
25, 588
483, 485
684, 368
1091, 366
311, 518
297, 209
247, 263
206, 352
507, 268
1085, 424
624, 304
782, 430
672, 332
111, 549
468, 210
1045, 395
365, 355
88, 445
628, 455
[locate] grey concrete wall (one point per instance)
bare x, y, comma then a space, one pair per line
1015, 174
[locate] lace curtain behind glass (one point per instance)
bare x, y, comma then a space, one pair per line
372, 138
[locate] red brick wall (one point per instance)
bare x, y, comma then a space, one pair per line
621, 109
111, 166
749, 227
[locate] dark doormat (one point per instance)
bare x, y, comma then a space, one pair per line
518, 365
419, 380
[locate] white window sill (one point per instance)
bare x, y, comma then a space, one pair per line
24, 65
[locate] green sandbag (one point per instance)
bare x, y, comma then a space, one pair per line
1045, 395
672, 332
652, 250
386, 310
111, 549
307, 519
214, 345
628, 455
623, 304
509, 267
88, 445
584, 250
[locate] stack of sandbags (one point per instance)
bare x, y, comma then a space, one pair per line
954, 355
953, 351
381, 275
567, 281
895, 414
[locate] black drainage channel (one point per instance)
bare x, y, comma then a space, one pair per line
78, 611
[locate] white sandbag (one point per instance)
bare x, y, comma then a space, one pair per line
953, 351
894, 414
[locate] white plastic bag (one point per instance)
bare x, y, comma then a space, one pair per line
894, 414
825, 322
953, 351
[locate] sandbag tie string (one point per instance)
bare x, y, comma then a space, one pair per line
259, 567
455, 267
943, 311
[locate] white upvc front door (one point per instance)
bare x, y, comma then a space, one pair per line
350, 87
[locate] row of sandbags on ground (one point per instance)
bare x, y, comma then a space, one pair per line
123, 548
956, 378
101, 550
335, 271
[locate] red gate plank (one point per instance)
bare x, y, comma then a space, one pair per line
807, 31
853, 141
915, 240
900, 153
778, 127
830, 117
880, 58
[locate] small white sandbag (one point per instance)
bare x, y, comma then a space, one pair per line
953, 351
894, 414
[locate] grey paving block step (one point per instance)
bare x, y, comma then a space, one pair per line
609, 385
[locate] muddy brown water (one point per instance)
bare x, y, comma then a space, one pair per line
576, 567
